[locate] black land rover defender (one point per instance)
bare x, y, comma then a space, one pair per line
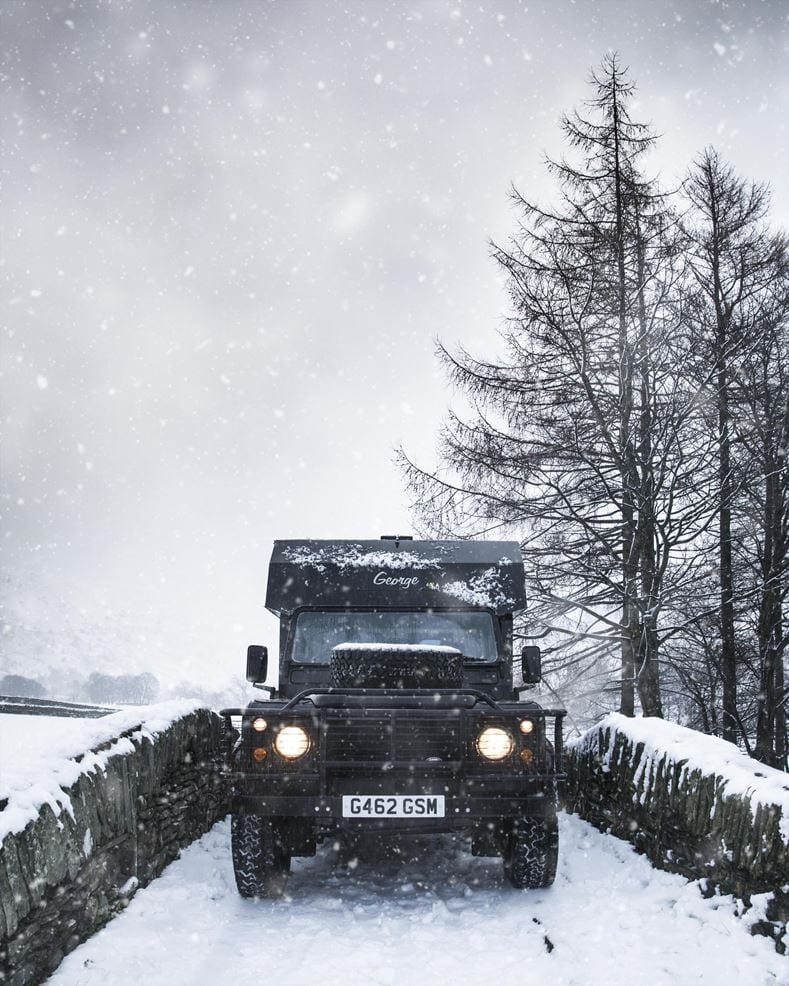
396, 709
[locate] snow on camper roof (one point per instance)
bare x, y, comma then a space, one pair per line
397, 574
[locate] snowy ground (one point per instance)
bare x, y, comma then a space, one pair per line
443, 917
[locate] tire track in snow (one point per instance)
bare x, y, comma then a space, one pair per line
439, 916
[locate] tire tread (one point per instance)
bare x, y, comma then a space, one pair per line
532, 852
259, 863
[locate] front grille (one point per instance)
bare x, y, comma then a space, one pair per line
420, 739
393, 738
361, 738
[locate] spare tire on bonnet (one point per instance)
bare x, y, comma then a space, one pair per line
396, 666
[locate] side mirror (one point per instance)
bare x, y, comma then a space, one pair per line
257, 663
531, 665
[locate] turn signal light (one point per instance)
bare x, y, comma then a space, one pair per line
259, 754
259, 724
527, 726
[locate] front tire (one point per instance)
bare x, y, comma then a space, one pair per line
260, 862
531, 852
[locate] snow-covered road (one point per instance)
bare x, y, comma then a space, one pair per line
443, 917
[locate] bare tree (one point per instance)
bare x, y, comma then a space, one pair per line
760, 392
732, 257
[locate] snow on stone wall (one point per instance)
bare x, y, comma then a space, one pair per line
693, 803
108, 820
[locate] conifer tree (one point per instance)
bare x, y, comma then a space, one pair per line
576, 436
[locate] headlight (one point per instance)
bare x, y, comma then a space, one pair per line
292, 742
495, 743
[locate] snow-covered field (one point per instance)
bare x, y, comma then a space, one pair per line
443, 917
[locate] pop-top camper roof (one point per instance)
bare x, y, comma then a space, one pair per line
396, 573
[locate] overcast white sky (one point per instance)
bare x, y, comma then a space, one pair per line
233, 230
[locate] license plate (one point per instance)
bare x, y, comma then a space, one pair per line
393, 806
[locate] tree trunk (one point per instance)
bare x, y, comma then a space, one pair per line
647, 668
770, 710
629, 552
781, 738
728, 660
627, 697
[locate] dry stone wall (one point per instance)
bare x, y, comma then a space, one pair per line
65, 876
685, 815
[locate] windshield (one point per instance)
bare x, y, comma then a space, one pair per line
316, 633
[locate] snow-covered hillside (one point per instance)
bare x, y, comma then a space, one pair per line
443, 917
47, 638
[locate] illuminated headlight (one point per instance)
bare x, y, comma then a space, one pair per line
527, 726
292, 742
495, 743
259, 724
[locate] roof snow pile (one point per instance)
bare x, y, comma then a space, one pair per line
41, 757
356, 556
736, 773
480, 590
